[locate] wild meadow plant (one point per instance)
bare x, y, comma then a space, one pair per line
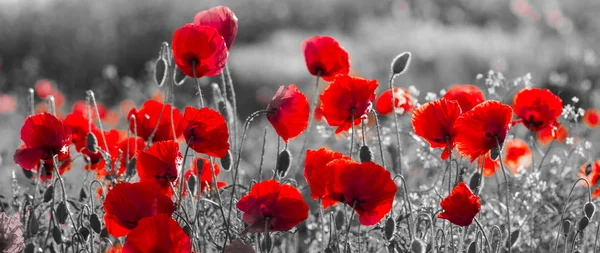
355, 195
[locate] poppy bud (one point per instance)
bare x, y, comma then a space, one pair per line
62, 212
266, 244
328, 250
27, 173
339, 220
178, 76
475, 182
104, 233
82, 195
34, 225
494, 153
48, 194
84, 232
131, 168
514, 236
226, 161
417, 246
285, 160
30, 248
566, 225
583, 222
590, 209
365, 154
390, 228
95, 223
400, 63
56, 235
200, 165
92, 142
188, 231
192, 183
472, 247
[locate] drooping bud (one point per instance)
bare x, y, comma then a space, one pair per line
48, 194
390, 228
62, 212
566, 226
95, 223
475, 182
226, 161
57, 235
192, 183
400, 63
417, 246
92, 143
178, 76
589, 209
366, 155
285, 160
161, 65
84, 232
583, 222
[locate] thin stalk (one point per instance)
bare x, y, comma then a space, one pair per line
197, 84
562, 215
262, 156
489, 245
237, 163
399, 170
379, 137
545, 154
407, 204
347, 241
322, 225
233, 102
507, 194
214, 179
156, 126
351, 134
90, 94
596, 238
31, 101
574, 241
181, 174
313, 107
267, 238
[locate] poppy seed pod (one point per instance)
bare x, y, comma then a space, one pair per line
92, 143
285, 160
390, 228
400, 63
589, 209
366, 155
566, 225
417, 246
226, 161
583, 222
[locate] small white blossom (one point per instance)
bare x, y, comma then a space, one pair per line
569, 141
413, 90
587, 145
430, 96
575, 100
555, 159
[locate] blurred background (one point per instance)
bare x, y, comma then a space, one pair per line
110, 46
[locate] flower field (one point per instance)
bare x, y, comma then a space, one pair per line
348, 164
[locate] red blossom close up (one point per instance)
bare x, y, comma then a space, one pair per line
325, 57
199, 50
434, 122
288, 112
461, 206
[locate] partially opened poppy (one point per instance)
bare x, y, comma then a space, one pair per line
325, 57
517, 155
461, 206
288, 112
202, 169
149, 117
159, 233
160, 163
199, 50
537, 108
467, 96
269, 203
434, 122
126, 204
346, 98
403, 102
591, 171
482, 128
205, 131
43, 136
558, 133
367, 187
221, 19
318, 174
591, 118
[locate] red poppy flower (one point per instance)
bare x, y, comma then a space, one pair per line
347, 96
591, 118
366, 186
221, 19
128, 149
325, 57
209, 129
7, 104
591, 171
199, 47
43, 136
158, 233
403, 101
204, 173
160, 163
517, 154
147, 118
489, 165
288, 112
281, 205
537, 108
95, 160
434, 122
318, 114
481, 128
461, 206
317, 174
80, 107
467, 96
558, 133
126, 204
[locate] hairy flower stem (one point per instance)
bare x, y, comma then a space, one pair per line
267, 246
200, 99
507, 197
487, 241
545, 154
397, 133
407, 205
532, 144
90, 94
237, 163
233, 103
352, 133
322, 225
216, 186
379, 137
574, 241
347, 241
181, 174
311, 115
562, 214
31, 101
262, 156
